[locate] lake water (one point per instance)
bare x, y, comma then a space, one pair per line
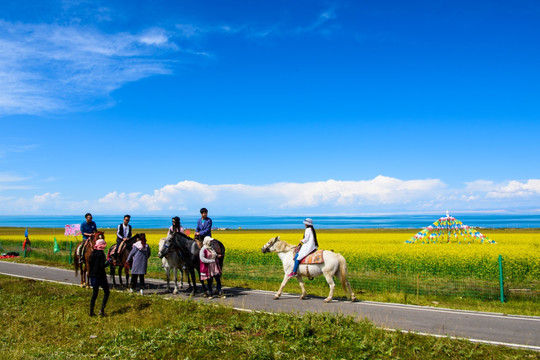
282, 222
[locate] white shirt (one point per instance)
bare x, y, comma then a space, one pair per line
309, 244
126, 231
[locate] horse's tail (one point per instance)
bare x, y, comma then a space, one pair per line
343, 272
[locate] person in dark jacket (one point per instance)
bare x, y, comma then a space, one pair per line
98, 277
123, 232
139, 255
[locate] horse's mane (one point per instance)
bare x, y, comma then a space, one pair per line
181, 236
283, 246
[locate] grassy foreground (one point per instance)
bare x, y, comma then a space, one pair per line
50, 321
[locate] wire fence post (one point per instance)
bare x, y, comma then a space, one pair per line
501, 280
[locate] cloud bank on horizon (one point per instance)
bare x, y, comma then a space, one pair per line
381, 194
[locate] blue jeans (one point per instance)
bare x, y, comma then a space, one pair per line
296, 263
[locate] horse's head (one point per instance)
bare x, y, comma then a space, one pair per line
98, 235
164, 245
270, 245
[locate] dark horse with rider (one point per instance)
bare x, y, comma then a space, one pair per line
190, 250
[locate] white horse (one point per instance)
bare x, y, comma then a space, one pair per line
170, 259
334, 265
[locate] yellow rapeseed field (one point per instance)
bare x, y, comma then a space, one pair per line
379, 250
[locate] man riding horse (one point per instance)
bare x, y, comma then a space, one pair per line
87, 229
123, 233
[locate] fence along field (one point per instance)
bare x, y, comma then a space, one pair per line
378, 260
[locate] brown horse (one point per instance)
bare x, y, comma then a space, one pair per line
84, 265
120, 260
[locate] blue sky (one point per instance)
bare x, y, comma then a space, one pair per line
284, 107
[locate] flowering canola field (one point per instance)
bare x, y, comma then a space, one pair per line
381, 251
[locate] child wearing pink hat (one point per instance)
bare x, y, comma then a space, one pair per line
98, 278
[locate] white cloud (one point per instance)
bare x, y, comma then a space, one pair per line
380, 194
156, 37
277, 197
11, 181
323, 18
10, 177
45, 68
5, 149
318, 26
44, 198
515, 189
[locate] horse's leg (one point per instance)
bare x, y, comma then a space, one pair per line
175, 269
193, 280
120, 267
301, 282
353, 297
331, 284
190, 284
181, 277
126, 271
82, 273
112, 275
88, 275
168, 277
283, 283
85, 272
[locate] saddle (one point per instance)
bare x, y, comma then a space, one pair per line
313, 258
122, 246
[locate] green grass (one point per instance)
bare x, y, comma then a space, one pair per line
50, 321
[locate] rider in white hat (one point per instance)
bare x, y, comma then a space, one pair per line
309, 245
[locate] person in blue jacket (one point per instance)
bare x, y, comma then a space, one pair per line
87, 229
204, 225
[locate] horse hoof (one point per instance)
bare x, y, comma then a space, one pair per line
327, 300
276, 297
353, 299
302, 297
175, 292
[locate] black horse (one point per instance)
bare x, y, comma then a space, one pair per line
190, 252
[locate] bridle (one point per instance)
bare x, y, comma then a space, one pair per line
269, 244
169, 249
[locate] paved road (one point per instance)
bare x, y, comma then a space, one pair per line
494, 328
